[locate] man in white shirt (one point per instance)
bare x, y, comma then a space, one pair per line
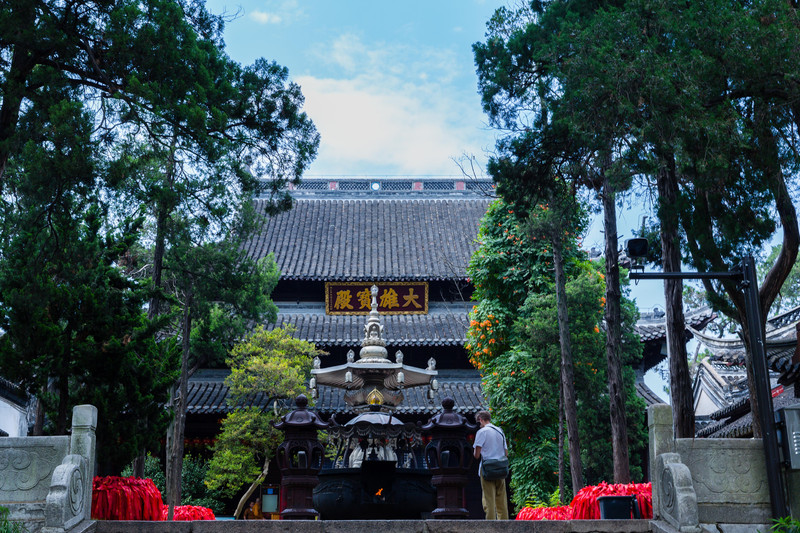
490, 443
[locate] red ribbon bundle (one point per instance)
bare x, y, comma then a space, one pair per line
189, 512
125, 498
545, 513
584, 505
130, 498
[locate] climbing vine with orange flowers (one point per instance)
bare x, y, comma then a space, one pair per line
513, 341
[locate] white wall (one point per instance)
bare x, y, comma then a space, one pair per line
12, 419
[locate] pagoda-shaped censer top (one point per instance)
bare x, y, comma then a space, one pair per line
373, 379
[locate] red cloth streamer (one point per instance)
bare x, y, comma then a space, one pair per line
189, 512
584, 505
545, 513
130, 498
125, 498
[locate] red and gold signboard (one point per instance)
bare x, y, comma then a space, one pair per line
394, 297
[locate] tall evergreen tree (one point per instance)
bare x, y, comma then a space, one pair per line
134, 109
693, 98
514, 342
66, 307
525, 90
219, 292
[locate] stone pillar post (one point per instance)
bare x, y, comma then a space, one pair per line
300, 459
662, 440
449, 456
83, 442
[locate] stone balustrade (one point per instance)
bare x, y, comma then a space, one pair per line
46, 482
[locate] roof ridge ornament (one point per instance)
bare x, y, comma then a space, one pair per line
373, 347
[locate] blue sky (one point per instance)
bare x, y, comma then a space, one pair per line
391, 86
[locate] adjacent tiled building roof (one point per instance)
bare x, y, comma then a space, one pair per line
13, 393
647, 394
739, 424
444, 325
735, 419
654, 327
366, 239
208, 395
780, 346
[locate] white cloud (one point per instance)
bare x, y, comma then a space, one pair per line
387, 125
277, 12
262, 17
395, 111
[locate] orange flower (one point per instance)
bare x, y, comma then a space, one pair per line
596, 329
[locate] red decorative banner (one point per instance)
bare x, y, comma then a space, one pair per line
394, 298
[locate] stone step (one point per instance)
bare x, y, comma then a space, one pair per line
377, 526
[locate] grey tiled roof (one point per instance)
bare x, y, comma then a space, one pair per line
647, 394
653, 329
208, 395
742, 427
779, 354
444, 325
384, 239
13, 392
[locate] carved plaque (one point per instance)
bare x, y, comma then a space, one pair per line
394, 298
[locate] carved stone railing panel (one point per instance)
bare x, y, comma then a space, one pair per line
726, 470
46, 482
26, 466
706, 481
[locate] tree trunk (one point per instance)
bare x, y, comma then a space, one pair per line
176, 454
251, 489
15, 86
779, 271
613, 318
38, 424
154, 307
63, 386
680, 381
158, 260
164, 208
173, 395
567, 372
561, 487
138, 466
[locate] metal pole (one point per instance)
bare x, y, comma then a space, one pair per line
763, 390
760, 371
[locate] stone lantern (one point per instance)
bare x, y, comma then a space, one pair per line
449, 456
300, 458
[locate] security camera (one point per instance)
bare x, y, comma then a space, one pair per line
636, 247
